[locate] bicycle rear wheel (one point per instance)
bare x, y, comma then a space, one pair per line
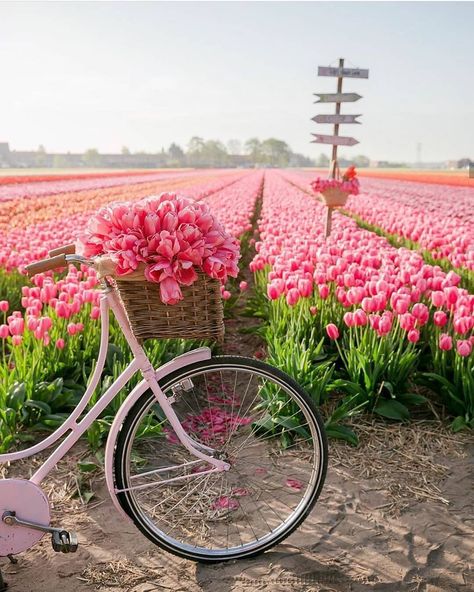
248, 413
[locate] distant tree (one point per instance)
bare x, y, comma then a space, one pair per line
175, 155
234, 147
361, 161
322, 161
253, 147
92, 158
300, 160
214, 153
276, 152
41, 156
464, 163
125, 150
196, 151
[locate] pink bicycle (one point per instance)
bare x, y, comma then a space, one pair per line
212, 458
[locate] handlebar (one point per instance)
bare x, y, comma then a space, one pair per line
65, 249
46, 265
60, 260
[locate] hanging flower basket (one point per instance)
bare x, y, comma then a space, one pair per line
334, 197
334, 192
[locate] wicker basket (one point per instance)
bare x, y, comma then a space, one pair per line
199, 315
334, 197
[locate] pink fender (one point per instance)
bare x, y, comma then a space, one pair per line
195, 355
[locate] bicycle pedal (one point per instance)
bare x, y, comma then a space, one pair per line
64, 541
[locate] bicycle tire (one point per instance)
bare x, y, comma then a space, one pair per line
130, 425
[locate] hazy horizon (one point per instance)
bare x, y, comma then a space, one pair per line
143, 75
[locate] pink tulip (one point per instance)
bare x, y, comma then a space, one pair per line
349, 319
323, 291
438, 299
463, 325
440, 318
451, 295
292, 296
385, 325
243, 286
32, 323
62, 310
71, 329
374, 321
4, 331
421, 313
17, 326
464, 348
226, 295
272, 292
413, 336
407, 321
332, 331
4, 305
17, 340
313, 310
60, 343
360, 318
170, 291
367, 305
305, 288
95, 313
445, 342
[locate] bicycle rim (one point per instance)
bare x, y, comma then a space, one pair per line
250, 415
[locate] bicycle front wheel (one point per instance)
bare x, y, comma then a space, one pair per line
245, 412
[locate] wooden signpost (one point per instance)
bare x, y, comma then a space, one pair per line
337, 97
337, 119
334, 140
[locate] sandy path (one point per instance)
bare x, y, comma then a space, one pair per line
347, 544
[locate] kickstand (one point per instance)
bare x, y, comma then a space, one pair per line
3, 584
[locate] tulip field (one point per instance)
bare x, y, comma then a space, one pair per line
377, 318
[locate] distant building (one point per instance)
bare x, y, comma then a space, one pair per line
36, 158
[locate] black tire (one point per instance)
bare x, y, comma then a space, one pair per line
125, 444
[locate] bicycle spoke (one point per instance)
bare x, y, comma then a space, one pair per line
273, 467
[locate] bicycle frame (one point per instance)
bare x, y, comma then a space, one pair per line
75, 427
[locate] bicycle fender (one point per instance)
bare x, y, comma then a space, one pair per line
191, 357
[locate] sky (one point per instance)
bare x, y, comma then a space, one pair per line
103, 75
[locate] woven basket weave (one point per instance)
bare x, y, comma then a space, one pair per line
199, 315
334, 197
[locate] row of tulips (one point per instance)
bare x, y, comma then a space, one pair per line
382, 314
447, 178
49, 344
434, 218
18, 213
22, 179
53, 186
35, 228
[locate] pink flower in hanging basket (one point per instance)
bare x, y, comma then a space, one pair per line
348, 183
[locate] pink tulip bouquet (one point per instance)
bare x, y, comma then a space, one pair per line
168, 237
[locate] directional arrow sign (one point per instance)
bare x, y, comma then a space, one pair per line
343, 72
336, 119
334, 140
337, 97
